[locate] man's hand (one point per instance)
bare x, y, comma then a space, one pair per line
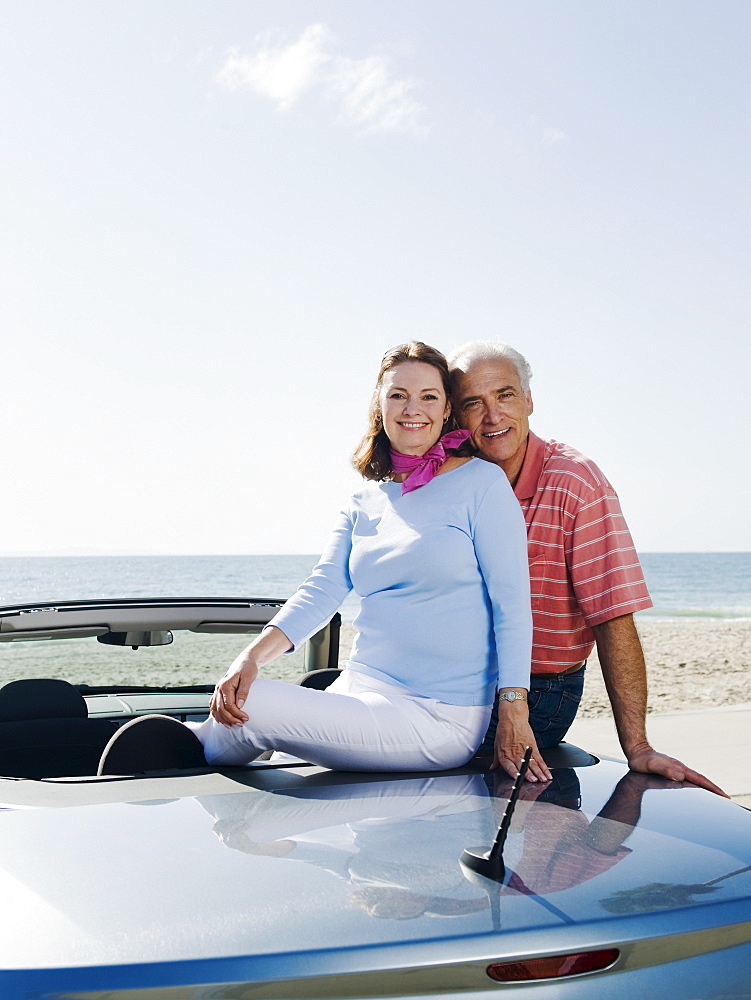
624, 671
649, 761
512, 737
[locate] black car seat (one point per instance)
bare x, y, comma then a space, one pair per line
319, 679
45, 731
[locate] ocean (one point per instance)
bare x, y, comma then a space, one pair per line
705, 585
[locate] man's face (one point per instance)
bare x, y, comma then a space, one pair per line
491, 403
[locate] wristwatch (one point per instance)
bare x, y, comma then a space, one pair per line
512, 696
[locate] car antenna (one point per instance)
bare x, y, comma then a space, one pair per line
490, 863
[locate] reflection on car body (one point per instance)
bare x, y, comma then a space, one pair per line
285, 879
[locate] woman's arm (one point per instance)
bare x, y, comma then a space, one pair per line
512, 737
231, 692
501, 545
323, 593
305, 613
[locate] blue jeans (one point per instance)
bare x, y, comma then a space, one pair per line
553, 702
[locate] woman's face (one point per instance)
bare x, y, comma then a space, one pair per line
413, 406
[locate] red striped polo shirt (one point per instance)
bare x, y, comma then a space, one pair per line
583, 567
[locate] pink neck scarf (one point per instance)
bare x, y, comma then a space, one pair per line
422, 468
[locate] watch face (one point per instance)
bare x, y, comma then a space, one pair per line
511, 696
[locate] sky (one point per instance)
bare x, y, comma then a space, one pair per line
217, 215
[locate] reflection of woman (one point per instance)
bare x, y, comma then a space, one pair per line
395, 843
435, 547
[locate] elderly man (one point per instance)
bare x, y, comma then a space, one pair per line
585, 574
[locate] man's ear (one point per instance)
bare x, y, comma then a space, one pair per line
530, 403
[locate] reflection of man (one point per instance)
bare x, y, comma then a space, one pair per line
561, 847
585, 574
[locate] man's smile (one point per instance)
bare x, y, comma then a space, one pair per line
495, 434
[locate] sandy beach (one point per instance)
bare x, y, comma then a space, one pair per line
691, 664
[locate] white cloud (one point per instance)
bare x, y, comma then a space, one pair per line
365, 92
372, 99
280, 74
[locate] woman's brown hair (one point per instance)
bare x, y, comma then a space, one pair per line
372, 458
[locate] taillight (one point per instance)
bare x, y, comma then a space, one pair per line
553, 967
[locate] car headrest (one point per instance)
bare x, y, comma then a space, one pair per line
45, 698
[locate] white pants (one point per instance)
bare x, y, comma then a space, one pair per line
357, 724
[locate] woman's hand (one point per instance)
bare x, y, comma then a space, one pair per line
231, 692
512, 737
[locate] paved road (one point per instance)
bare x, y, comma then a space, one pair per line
715, 741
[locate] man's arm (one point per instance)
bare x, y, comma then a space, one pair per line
624, 670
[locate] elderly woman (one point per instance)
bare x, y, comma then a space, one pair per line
435, 547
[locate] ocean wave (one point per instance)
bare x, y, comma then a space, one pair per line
698, 614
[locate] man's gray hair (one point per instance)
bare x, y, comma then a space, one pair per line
461, 359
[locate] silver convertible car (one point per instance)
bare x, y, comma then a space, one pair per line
280, 879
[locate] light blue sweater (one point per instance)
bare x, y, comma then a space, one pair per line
443, 578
